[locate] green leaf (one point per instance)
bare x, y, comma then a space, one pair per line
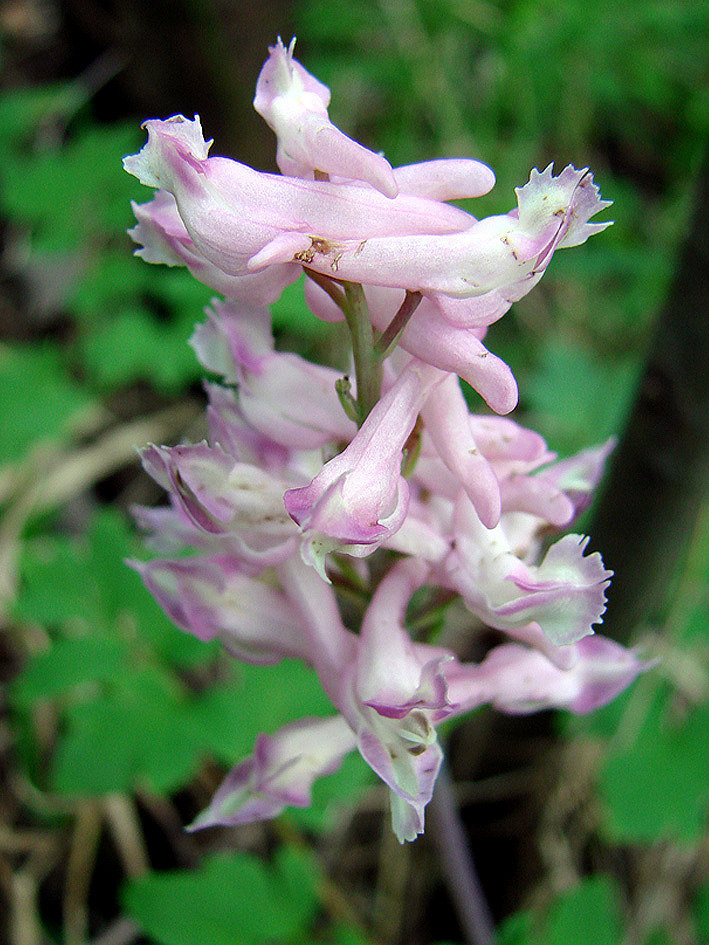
132, 346
574, 399
702, 912
55, 588
68, 664
231, 899
658, 788
228, 718
136, 733
39, 401
587, 915
21, 110
73, 194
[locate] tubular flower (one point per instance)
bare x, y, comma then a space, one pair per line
359, 498
294, 105
304, 475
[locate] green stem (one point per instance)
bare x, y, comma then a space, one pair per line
368, 368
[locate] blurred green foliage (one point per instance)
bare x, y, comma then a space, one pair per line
622, 88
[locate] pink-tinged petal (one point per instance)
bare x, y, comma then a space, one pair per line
233, 213
447, 422
235, 336
280, 773
217, 493
162, 238
229, 430
169, 528
506, 253
409, 766
519, 680
360, 498
390, 675
419, 537
332, 646
605, 669
185, 140
432, 340
320, 303
564, 595
445, 179
286, 398
533, 494
475, 311
212, 599
459, 351
502, 440
294, 105
579, 475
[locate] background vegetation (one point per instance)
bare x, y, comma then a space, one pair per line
115, 726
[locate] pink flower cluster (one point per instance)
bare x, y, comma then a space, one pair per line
290, 487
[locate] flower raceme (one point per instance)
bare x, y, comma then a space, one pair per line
306, 476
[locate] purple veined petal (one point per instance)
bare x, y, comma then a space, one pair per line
564, 595
519, 680
280, 773
294, 105
162, 238
213, 599
447, 421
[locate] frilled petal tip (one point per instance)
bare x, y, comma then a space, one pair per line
186, 139
572, 197
565, 595
280, 773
